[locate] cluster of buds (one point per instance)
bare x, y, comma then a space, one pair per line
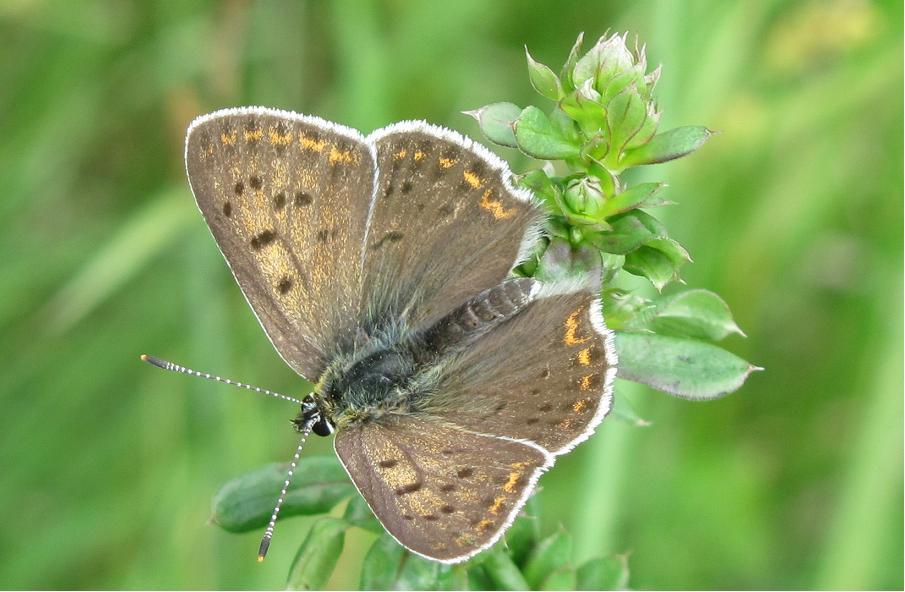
604, 120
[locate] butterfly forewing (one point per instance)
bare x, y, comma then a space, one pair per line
441, 491
446, 224
544, 376
287, 199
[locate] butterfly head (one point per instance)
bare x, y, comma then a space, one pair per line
312, 417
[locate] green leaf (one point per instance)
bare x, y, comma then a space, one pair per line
670, 145
521, 537
497, 121
562, 262
538, 137
564, 125
585, 111
358, 514
651, 263
548, 556
502, 572
682, 367
477, 577
561, 579
625, 115
643, 195
627, 311
566, 73
246, 502
699, 314
540, 185
389, 566
317, 555
672, 249
604, 573
629, 231
543, 79
452, 577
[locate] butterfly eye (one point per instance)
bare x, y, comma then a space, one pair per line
322, 427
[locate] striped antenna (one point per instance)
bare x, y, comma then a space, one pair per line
268, 532
183, 370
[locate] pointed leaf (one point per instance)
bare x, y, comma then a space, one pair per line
643, 195
625, 114
317, 556
389, 566
667, 146
549, 555
672, 249
604, 573
496, 121
540, 185
682, 367
543, 79
699, 314
538, 137
566, 74
521, 538
246, 502
502, 572
562, 578
652, 264
629, 231
381, 564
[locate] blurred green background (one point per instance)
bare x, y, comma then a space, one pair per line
793, 215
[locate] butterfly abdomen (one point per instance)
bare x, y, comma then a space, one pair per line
479, 315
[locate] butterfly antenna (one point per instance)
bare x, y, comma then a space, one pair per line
183, 370
268, 532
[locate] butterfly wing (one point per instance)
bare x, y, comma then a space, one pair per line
546, 375
434, 486
446, 223
286, 197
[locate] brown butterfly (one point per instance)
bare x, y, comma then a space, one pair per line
379, 266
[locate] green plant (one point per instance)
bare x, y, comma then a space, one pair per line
603, 123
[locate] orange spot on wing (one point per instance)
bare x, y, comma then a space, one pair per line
445, 163
497, 504
586, 382
343, 156
483, 525
228, 139
580, 405
400, 154
253, 135
572, 325
278, 138
419, 155
472, 179
495, 207
311, 144
584, 357
514, 477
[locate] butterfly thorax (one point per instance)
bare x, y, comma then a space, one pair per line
357, 388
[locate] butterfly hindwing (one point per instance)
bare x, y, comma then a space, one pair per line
545, 376
287, 197
446, 223
435, 487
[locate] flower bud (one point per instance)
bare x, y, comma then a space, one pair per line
584, 197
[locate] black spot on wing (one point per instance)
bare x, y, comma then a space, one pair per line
263, 239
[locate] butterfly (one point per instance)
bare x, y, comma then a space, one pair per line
380, 268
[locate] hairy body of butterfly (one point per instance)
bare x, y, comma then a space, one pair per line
379, 267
